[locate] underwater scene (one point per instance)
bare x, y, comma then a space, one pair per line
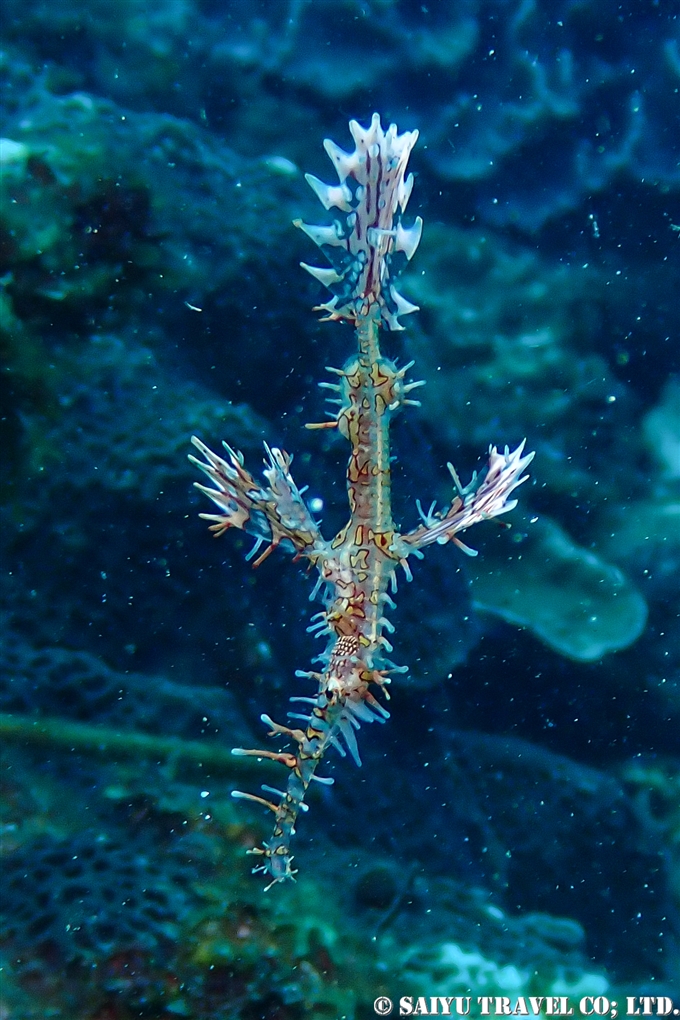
506, 841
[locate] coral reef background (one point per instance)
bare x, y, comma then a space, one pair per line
515, 828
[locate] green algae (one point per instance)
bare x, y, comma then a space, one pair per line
310, 951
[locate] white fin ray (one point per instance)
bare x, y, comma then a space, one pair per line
331, 196
344, 162
408, 238
321, 235
345, 727
373, 193
325, 276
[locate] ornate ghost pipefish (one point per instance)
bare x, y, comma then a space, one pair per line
366, 246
